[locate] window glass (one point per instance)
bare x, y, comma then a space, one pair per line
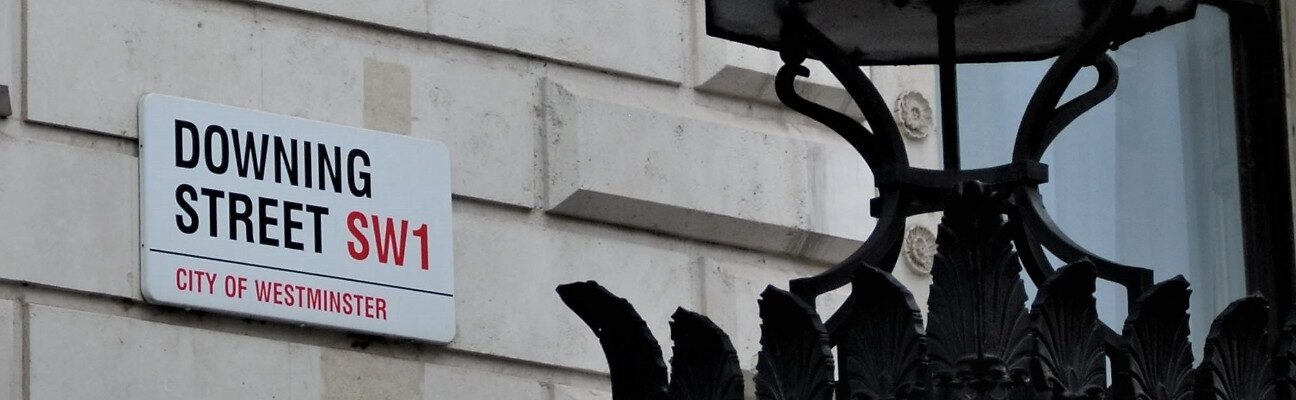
1148, 178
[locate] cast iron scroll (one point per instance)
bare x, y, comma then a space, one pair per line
980, 341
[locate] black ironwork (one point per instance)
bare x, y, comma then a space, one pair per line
981, 341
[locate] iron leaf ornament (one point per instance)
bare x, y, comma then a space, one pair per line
1236, 364
883, 353
795, 361
634, 357
704, 365
980, 341
1068, 358
977, 306
1154, 360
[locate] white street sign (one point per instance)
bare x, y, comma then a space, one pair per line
283, 218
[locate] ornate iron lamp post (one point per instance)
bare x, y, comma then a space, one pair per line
981, 340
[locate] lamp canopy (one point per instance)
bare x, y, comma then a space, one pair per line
901, 32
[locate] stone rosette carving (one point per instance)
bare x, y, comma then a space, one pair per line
915, 115
920, 249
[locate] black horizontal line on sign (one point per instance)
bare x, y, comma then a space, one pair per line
246, 264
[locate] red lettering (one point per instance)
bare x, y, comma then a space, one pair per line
263, 291
295, 295
313, 298
211, 283
359, 248
192, 280
422, 234
367, 302
387, 242
182, 276
278, 293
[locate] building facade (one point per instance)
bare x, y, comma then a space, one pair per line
610, 141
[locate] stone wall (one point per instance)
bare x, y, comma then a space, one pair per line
607, 140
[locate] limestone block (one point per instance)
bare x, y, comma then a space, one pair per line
411, 15
747, 72
507, 269
564, 392
91, 77
11, 358
356, 375
134, 359
635, 38
702, 180
449, 383
70, 217
481, 104
643, 38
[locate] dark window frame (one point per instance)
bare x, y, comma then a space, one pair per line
1264, 172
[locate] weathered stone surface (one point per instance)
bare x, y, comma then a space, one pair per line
480, 103
349, 374
507, 269
702, 180
91, 77
134, 359
448, 383
644, 38
648, 36
748, 72
354, 375
564, 392
11, 356
70, 217
411, 15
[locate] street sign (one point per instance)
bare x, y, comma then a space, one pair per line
278, 217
